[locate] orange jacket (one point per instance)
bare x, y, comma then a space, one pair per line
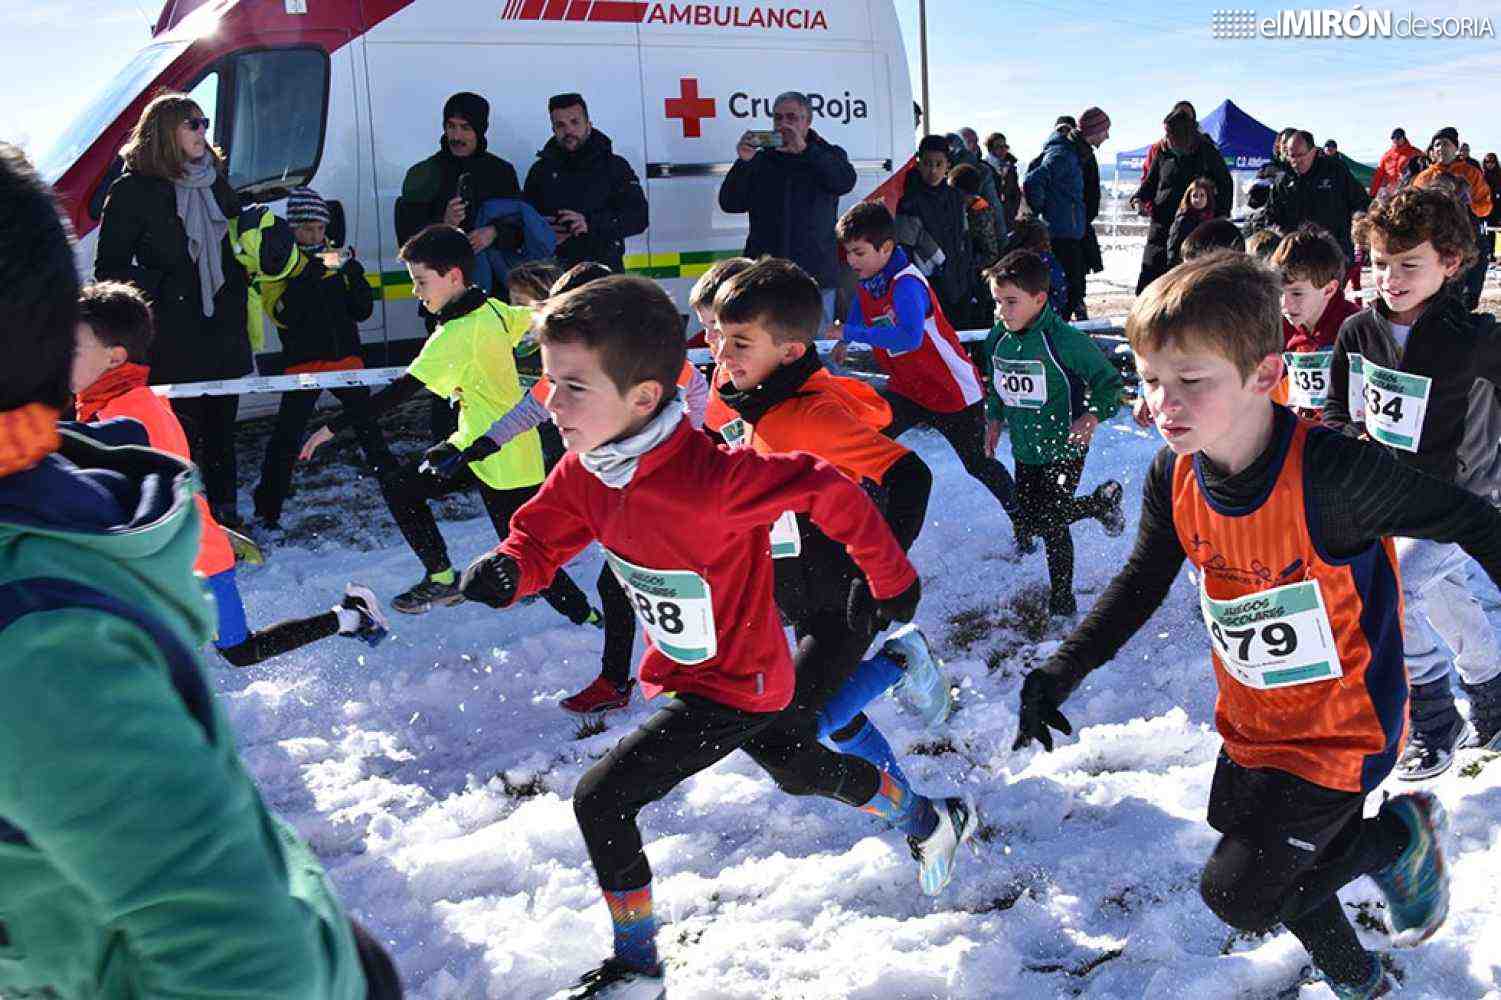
839, 420
1470, 177
123, 392
1389, 169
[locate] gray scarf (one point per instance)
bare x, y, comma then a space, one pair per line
205, 225
614, 463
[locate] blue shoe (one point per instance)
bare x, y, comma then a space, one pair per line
1377, 984
957, 821
1416, 885
923, 685
372, 626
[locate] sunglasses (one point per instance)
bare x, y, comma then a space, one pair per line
196, 124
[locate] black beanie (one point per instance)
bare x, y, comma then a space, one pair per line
473, 108
1448, 132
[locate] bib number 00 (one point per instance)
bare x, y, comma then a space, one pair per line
675, 608
1022, 384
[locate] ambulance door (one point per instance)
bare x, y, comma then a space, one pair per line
705, 86
516, 64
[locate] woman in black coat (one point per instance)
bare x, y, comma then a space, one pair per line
165, 230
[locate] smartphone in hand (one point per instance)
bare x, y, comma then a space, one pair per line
764, 138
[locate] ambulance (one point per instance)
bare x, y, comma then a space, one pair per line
345, 95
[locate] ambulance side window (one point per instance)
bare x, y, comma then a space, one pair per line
275, 102
206, 95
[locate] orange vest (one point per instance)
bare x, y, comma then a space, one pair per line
1319, 692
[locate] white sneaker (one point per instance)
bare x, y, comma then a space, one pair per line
957, 820
614, 980
923, 685
371, 626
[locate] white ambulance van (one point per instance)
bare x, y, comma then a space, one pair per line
345, 95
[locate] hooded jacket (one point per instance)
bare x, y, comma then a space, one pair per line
1055, 188
793, 201
137, 857
597, 184
1460, 439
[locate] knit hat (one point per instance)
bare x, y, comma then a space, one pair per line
1447, 132
473, 108
1093, 121
1398, 133
306, 205
1066, 120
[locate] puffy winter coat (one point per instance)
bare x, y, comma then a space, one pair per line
137, 857
1055, 188
319, 312
142, 241
597, 184
943, 213
1170, 175
793, 201
1389, 168
1328, 195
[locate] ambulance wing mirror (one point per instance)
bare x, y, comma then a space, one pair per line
337, 228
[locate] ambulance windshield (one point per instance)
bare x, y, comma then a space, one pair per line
105, 107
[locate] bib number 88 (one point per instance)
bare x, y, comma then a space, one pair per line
666, 615
1279, 638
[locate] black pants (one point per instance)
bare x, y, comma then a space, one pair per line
408, 494
1046, 502
620, 628
209, 423
965, 433
1474, 281
286, 441
1288, 847
692, 734
382, 982
1070, 256
1154, 261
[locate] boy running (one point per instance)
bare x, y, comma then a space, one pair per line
1052, 386
469, 358
109, 380
933, 381
685, 527
1417, 373
1286, 525
1314, 306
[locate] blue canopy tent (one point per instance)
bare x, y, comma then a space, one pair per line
1245, 143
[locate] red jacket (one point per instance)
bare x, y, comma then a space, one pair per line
123, 392
693, 506
1389, 169
1321, 338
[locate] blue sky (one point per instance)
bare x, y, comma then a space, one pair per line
1011, 66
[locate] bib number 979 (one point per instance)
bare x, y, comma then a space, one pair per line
1279, 639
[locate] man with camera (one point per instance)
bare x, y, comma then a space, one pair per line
790, 180
451, 184
590, 196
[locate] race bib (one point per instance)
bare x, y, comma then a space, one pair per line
1308, 379
674, 606
1022, 384
736, 433
1355, 394
786, 540
1395, 404
1273, 638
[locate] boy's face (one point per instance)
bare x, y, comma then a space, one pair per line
91, 358
435, 289
1407, 280
1200, 402
711, 329
750, 354
933, 167
311, 234
1303, 303
867, 259
1016, 307
585, 404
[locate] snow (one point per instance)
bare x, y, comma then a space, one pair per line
433, 776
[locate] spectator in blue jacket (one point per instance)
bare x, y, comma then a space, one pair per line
1054, 189
791, 191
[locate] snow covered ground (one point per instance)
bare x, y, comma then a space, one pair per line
433, 776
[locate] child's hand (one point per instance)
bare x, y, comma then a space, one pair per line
491, 579
1039, 711
1081, 431
319, 438
1141, 412
992, 436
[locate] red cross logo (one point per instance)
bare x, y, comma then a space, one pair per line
689, 107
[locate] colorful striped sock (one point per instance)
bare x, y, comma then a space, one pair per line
635, 926
899, 805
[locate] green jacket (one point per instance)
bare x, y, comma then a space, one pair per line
136, 857
1055, 374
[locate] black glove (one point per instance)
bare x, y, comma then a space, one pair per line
441, 460
1041, 696
491, 579
864, 612
482, 448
